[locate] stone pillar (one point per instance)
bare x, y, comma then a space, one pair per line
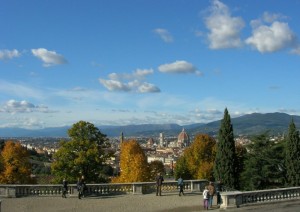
73, 192
137, 188
230, 199
11, 192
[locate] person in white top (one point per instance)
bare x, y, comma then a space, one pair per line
205, 198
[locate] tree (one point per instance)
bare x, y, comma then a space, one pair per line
181, 169
241, 153
2, 144
225, 168
156, 167
198, 159
292, 158
263, 164
85, 154
133, 163
15, 162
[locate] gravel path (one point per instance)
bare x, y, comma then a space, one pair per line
128, 203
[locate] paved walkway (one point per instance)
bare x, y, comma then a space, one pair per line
128, 203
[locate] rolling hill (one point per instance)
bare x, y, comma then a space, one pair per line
274, 123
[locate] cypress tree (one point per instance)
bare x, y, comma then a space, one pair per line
225, 163
292, 159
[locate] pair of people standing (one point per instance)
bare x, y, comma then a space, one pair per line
208, 195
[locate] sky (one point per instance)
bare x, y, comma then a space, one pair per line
115, 62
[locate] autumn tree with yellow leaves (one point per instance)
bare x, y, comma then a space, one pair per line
15, 165
133, 163
198, 159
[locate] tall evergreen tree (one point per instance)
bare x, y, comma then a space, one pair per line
225, 168
263, 164
292, 159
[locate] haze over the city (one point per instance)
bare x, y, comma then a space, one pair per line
135, 62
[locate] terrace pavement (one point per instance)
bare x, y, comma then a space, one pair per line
129, 203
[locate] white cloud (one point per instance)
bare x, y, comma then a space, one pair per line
23, 122
272, 38
206, 115
271, 17
148, 88
179, 66
132, 86
32, 122
137, 74
114, 85
142, 72
164, 35
9, 54
48, 57
224, 29
13, 106
133, 82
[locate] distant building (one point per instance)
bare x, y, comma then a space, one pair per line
121, 138
150, 142
161, 139
183, 139
155, 158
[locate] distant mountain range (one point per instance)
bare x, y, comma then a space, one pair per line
255, 123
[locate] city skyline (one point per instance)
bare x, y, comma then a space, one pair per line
138, 62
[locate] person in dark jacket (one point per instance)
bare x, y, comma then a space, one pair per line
159, 181
219, 188
180, 184
80, 187
65, 188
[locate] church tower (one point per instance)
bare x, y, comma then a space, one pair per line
161, 139
121, 138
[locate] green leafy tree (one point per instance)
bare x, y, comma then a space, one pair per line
133, 163
85, 154
241, 154
263, 164
156, 167
225, 168
181, 169
292, 158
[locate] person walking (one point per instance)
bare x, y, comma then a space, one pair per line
180, 184
205, 198
159, 181
65, 188
211, 192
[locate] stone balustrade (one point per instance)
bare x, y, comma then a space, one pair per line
235, 199
99, 189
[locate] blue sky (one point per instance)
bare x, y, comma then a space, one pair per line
146, 61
